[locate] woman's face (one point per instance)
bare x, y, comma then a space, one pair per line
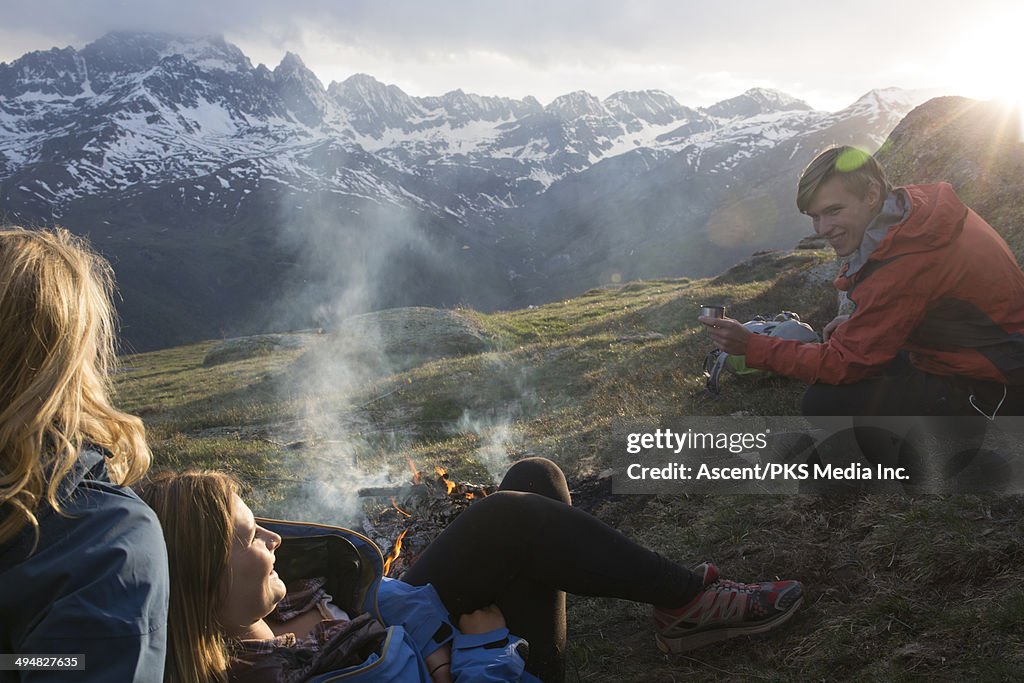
251, 586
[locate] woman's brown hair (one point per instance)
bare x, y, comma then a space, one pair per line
195, 512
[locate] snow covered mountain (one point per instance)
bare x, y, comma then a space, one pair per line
159, 146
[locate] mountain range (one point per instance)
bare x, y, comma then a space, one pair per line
233, 197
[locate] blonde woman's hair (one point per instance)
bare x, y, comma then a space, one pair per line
195, 512
56, 354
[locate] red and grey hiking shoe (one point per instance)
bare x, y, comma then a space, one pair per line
726, 609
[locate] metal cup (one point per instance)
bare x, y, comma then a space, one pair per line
712, 311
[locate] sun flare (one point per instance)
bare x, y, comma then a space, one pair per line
985, 63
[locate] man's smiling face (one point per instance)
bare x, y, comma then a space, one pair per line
841, 216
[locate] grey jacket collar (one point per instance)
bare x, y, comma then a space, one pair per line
895, 209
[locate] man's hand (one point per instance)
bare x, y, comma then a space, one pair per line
482, 620
831, 327
728, 334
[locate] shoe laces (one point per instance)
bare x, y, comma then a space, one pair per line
725, 585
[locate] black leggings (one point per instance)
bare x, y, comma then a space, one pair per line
524, 546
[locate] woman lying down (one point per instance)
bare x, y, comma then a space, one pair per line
502, 567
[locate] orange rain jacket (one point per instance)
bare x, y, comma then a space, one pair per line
941, 283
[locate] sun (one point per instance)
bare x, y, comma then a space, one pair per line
984, 61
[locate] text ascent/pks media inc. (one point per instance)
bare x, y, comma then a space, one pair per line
765, 472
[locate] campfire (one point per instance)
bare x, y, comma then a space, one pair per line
408, 517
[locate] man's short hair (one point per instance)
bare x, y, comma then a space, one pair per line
856, 167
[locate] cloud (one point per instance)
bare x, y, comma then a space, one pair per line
526, 27
538, 31
536, 46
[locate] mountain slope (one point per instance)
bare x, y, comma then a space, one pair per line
976, 146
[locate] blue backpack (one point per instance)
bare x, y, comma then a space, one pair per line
353, 566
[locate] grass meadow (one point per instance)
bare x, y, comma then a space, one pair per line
898, 588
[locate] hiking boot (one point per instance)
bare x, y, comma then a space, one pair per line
726, 609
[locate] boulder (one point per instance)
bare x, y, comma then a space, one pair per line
402, 338
241, 348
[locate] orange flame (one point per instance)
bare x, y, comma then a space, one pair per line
449, 484
395, 550
415, 472
394, 504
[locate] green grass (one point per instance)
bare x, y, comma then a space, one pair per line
898, 588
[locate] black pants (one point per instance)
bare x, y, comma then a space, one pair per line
940, 407
902, 389
523, 547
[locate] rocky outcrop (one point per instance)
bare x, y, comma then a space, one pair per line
241, 348
401, 338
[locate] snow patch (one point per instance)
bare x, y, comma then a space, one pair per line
210, 118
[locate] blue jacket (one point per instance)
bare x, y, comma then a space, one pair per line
495, 656
417, 619
96, 584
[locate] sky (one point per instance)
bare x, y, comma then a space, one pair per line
828, 54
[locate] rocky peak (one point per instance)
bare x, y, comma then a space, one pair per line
889, 98
293, 70
124, 51
301, 90
372, 105
462, 106
757, 101
210, 53
362, 90
362, 86
263, 73
652, 106
576, 104
53, 73
292, 66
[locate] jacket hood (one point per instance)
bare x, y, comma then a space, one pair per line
936, 218
91, 464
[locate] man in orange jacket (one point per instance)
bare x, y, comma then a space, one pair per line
938, 324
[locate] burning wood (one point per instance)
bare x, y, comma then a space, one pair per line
394, 504
395, 551
408, 517
441, 472
414, 514
427, 487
